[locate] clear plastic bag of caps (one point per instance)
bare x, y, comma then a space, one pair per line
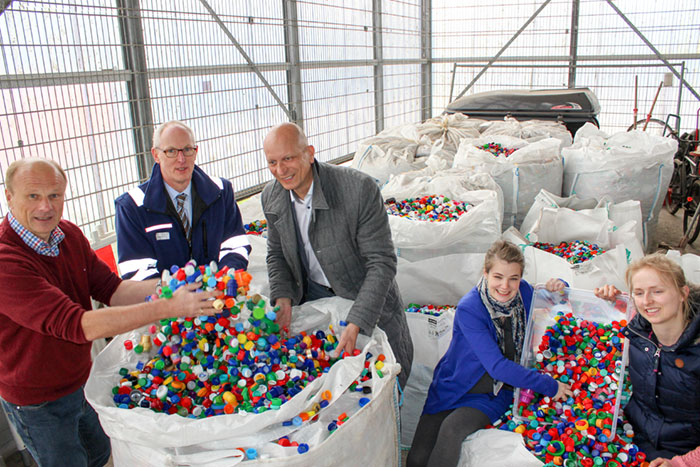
585, 307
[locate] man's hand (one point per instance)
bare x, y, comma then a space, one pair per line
284, 314
348, 339
186, 302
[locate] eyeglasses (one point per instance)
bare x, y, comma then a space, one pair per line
172, 153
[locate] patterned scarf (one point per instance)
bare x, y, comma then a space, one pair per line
514, 308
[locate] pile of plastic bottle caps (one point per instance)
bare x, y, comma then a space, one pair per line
433, 208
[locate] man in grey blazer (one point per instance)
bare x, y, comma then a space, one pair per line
328, 234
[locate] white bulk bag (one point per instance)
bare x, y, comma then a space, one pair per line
251, 210
521, 176
143, 437
257, 265
535, 130
437, 281
496, 448
607, 268
382, 157
618, 215
545, 199
441, 157
690, 264
529, 130
557, 225
626, 166
449, 129
473, 232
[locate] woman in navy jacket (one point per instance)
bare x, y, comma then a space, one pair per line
664, 362
473, 382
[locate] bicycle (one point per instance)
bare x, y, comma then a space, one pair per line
657, 127
684, 189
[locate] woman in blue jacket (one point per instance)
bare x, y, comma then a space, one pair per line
664, 358
473, 382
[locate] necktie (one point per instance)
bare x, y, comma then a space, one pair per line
183, 213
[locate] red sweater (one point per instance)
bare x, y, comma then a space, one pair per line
43, 351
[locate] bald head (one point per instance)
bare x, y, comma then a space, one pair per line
288, 133
35, 192
290, 158
27, 164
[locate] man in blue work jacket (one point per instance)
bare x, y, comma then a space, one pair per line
178, 214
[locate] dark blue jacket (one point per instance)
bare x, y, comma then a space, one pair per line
474, 351
665, 405
151, 238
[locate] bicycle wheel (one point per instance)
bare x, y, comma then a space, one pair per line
674, 196
690, 208
656, 127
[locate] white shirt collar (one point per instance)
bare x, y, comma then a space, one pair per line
307, 198
173, 192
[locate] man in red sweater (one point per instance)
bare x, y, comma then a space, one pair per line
48, 275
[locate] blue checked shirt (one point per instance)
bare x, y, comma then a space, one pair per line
49, 248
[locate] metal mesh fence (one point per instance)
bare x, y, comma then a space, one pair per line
608, 52
85, 81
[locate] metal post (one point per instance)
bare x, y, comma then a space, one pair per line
427, 61
503, 49
573, 45
291, 51
3, 5
378, 65
678, 105
653, 49
452, 83
137, 86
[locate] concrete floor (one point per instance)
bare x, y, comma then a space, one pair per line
670, 231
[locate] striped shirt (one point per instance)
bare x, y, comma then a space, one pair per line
42, 247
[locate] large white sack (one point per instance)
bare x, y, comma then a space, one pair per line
450, 129
496, 448
251, 208
251, 211
445, 279
441, 157
142, 437
607, 268
545, 199
604, 211
431, 337
521, 176
257, 265
557, 225
626, 166
624, 212
472, 232
690, 264
436, 281
457, 179
383, 156
535, 130
529, 130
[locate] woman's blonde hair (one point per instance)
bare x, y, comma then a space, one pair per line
505, 251
670, 272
